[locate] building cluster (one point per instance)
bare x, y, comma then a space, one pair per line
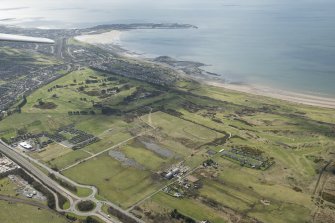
175, 171
183, 187
28, 78
247, 159
148, 72
7, 166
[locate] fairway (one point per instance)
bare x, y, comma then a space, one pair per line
178, 128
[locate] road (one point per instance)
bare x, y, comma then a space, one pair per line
106, 150
55, 187
174, 181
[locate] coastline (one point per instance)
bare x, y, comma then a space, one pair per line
111, 37
299, 98
113, 40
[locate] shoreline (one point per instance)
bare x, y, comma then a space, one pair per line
298, 98
112, 37
113, 40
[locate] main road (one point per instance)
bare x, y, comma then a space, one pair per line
55, 187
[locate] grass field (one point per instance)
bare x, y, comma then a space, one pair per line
187, 207
68, 159
7, 187
22, 213
51, 152
189, 120
122, 185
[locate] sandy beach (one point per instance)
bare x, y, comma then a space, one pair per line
278, 94
112, 37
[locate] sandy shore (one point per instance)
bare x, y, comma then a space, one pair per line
112, 37
279, 94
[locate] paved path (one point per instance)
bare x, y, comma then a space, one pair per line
106, 150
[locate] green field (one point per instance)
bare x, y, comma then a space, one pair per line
181, 124
22, 213
68, 159
51, 152
7, 187
122, 185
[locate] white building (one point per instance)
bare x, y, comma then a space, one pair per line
26, 145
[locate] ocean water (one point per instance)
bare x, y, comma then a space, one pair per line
285, 44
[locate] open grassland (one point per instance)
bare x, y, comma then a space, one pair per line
22, 213
119, 184
68, 159
25, 57
144, 157
178, 128
158, 127
51, 152
109, 140
7, 187
65, 93
164, 204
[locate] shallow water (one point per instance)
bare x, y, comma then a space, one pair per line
284, 44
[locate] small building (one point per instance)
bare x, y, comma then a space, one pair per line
172, 173
26, 145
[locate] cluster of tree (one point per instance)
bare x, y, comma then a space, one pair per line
176, 215
139, 94
63, 183
171, 112
86, 206
61, 200
22, 103
88, 219
89, 81
45, 105
82, 88
110, 111
120, 215
5, 140
50, 197
105, 91
56, 86
81, 112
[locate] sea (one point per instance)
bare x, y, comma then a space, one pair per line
282, 44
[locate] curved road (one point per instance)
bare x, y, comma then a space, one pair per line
54, 186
